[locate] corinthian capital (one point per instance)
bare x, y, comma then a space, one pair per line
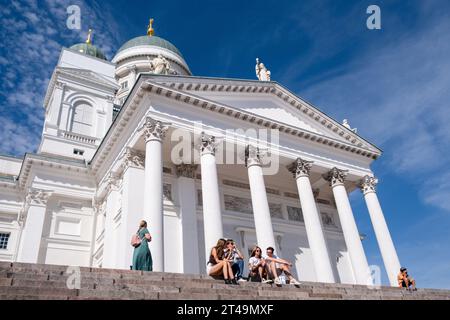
208, 144
368, 184
300, 168
335, 176
37, 197
154, 129
133, 158
253, 156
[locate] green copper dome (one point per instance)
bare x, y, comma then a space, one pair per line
150, 41
89, 49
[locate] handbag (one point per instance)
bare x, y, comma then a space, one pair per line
135, 240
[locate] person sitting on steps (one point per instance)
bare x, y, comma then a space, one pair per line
256, 265
218, 265
275, 266
405, 281
233, 254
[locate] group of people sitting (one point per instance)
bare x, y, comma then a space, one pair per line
226, 260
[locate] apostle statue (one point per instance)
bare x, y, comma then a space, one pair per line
261, 71
347, 125
159, 65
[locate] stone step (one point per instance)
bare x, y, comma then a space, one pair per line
38, 281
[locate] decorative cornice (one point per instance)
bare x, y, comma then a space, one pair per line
208, 144
335, 176
300, 168
186, 170
253, 156
30, 160
368, 184
132, 158
154, 129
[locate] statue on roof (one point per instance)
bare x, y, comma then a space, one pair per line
261, 71
347, 125
159, 65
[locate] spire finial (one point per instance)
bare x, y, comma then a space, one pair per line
89, 38
150, 30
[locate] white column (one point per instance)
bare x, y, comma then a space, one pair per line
154, 132
390, 258
30, 244
132, 204
133, 75
260, 204
212, 214
112, 209
313, 225
355, 249
188, 216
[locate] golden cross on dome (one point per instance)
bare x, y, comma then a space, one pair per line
150, 30
89, 38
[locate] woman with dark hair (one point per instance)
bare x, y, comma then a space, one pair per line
142, 258
219, 265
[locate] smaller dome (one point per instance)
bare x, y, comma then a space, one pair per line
89, 49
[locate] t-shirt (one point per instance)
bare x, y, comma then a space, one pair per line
267, 258
231, 255
253, 261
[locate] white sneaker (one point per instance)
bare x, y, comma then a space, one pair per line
267, 281
242, 280
278, 281
294, 282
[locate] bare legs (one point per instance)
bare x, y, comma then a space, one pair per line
223, 267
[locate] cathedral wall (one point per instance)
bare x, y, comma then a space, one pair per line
10, 205
67, 233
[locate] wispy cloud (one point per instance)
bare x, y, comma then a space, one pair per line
33, 34
400, 100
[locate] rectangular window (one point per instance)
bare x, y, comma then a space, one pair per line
4, 238
78, 152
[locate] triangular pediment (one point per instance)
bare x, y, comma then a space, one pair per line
87, 75
269, 100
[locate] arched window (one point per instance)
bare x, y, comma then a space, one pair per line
82, 118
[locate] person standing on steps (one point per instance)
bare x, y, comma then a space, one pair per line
142, 257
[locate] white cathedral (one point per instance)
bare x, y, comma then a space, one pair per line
108, 158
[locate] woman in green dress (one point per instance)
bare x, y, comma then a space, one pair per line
142, 258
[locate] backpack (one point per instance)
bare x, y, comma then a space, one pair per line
135, 240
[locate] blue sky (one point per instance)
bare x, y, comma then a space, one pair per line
392, 84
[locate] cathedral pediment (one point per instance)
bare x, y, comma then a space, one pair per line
88, 75
267, 100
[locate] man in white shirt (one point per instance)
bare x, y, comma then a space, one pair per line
275, 266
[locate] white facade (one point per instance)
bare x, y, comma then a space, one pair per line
96, 174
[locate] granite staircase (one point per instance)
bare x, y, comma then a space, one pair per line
39, 281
